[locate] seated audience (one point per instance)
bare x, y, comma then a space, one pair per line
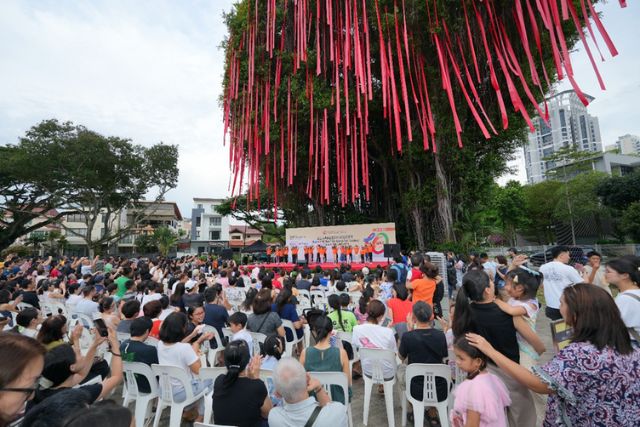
240, 398
294, 385
135, 350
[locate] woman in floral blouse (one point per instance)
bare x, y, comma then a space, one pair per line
595, 380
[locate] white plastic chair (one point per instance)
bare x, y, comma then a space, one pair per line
304, 298
23, 305
290, 345
87, 321
210, 374
212, 353
152, 341
429, 396
328, 379
58, 308
376, 358
122, 336
319, 298
166, 374
348, 337
143, 400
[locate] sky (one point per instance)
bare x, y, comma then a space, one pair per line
152, 71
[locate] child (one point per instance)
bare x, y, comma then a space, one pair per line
480, 399
522, 286
237, 324
274, 349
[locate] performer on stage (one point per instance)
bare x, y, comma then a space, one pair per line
269, 251
350, 253
294, 254
285, 254
356, 251
324, 253
334, 251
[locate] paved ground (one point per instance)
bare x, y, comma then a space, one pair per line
377, 411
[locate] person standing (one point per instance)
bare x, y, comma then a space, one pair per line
557, 276
594, 271
624, 274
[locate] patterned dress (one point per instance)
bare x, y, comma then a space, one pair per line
592, 387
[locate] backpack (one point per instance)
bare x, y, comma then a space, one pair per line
402, 272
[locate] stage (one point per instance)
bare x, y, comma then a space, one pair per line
288, 266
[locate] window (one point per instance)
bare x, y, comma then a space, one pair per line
77, 232
213, 208
199, 205
214, 235
563, 122
236, 237
197, 235
38, 234
215, 220
76, 217
198, 221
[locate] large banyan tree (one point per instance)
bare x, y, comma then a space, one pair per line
342, 111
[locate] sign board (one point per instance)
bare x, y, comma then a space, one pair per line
344, 235
560, 334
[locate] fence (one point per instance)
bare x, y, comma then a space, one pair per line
607, 251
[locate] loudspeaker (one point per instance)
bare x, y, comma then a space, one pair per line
391, 250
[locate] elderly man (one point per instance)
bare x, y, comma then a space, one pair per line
293, 384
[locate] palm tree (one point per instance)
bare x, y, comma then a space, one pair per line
165, 239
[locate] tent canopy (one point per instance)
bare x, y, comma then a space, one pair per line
257, 246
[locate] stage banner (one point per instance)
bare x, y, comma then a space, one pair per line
344, 235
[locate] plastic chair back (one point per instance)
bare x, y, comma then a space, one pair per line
376, 357
131, 369
429, 371
166, 373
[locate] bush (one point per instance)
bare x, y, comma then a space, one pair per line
631, 221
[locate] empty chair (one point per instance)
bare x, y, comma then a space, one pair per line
375, 358
210, 374
143, 399
347, 336
166, 374
87, 321
429, 395
319, 299
336, 379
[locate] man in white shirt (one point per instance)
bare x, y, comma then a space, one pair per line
557, 276
490, 267
87, 305
294, 384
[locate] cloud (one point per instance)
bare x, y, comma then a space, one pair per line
149, 71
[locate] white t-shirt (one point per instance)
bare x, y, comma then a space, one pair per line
73, 300
243, 334
150, 297
557, 276
87, 307
180, 355
369, 335
629, 308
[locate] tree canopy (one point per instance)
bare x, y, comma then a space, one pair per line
72, 169
342, 112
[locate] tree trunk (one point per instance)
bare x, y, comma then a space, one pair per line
417, 218
444, 213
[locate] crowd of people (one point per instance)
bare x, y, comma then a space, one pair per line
70, 325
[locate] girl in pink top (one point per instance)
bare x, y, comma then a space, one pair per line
482, 398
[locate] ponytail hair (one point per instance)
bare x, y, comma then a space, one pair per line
105, 304
473, 285
529, 279
334, 303
367, 294
236, 359
274, 345
322, 326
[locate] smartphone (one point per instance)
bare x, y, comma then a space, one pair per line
101, 327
